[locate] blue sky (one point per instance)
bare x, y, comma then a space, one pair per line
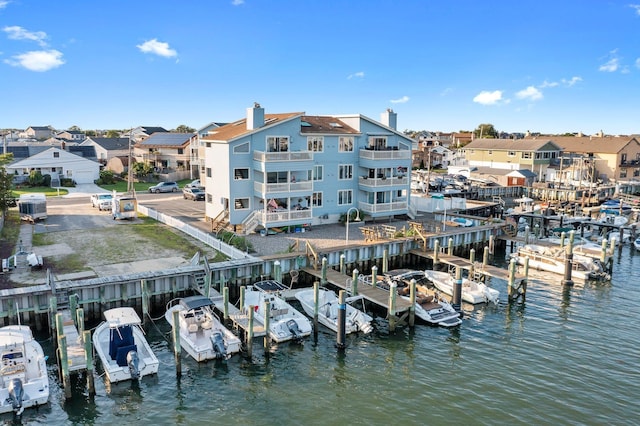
442, 65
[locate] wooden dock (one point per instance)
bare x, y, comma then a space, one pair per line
76, 357
239, 319
375, 295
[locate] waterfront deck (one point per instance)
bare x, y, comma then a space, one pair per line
76, 357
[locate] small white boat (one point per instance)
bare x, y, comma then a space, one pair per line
122, 348
636, 243
202, 334
431, 309
328, 307
285, 322
552, 259
23, 374
613, 219
473, 292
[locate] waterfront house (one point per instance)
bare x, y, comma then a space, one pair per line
197, 151
511, 154
291, 169
57, 163
71, 135
108, 148
168, 153
37, 132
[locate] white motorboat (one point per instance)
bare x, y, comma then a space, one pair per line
636, 243
552, 259
285, 322
473, 292
202, 334
328, 308
613, 219
432, 309
23, 374
122, 347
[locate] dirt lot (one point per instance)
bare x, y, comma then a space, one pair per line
78, 241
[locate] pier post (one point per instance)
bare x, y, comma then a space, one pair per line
457, 291
342, 321
277, 271
512, 280
374, 276
412, 298
242, 290
64, 364
316, 309
73, 305
472, 261
563, 236
450, 247
250, 331
526, 234
53, 309
393, 294
354, 282
175, 331
485, 256
225, 304
323, 280
436, 252
568, 262
385, 260
145, 301
620, 242
88, 353
491, 244
80, 321
526, 268
342, 262
603, 253
207, 283
267, 318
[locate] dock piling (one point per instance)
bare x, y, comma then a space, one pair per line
485, 256
436, 252
267, 318
568, 262
342, 263
145, 300
374, 275
225, 300
316, 308
175, 331
342, 321
250, 331
385, 261
88, 353
457, 291
412, 298
354, 282
393, 293
323, 280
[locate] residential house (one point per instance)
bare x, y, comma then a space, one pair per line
168, 153
511, 154
291, 169
37, 132
108, 148
58, 164
140, 133
198, 152
71, 135
613, 157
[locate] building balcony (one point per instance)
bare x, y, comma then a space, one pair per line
384, 209
264, 190
387, 154
282, 217
265, 157
382, 182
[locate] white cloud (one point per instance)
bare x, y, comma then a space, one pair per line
530, 93
612, 64
402, 100
359, 74
572, 81
18, 33
237, 2
488, 98
40, 60
157, 48
546, 84
3, 4
446, 91
636, 7
638, 63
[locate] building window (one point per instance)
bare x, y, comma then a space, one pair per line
316, 199
241, 149
277, 177
209, 198
241, 203
345, 144
241, 174
636, 173
208, 145
526, 155
180, 151
378, 143
545, 155
208, 171
511, 154
277, 143
624, 158
53, 169
345, 171
345, 197
315, 143
490, 152
623, 173
315, 173
56, 154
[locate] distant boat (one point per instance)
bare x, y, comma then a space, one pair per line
636, 243
122, 348
202, 334
552, 259
328, 307
24, 381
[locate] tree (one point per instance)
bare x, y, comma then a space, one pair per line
185, 129
6, 181
75, 129
141, 170
113, 134
485, 131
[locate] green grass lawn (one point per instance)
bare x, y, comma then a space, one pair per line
49, 192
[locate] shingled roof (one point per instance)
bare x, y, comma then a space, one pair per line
166, 140
511, 144
585, 144
325, 125
238, 128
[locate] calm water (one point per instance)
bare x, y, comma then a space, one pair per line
564, 357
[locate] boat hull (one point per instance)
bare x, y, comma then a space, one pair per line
472, 292
355, 319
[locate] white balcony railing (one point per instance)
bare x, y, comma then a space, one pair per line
283, 156
401, 154
395, 206
274, 218
382, 182
272, 188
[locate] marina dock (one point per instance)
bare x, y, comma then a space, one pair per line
240, 319
76, 357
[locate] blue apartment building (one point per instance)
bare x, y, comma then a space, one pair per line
292, 169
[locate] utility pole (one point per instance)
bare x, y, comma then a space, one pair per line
130, 188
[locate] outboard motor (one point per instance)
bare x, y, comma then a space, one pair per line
16, 394
218, 345
292, 325
133, 362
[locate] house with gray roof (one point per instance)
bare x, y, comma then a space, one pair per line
168, 153
108, 148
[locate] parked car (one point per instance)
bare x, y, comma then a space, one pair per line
193, 193
194, 184
101, 201
164, 187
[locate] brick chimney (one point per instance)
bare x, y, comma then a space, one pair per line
389, 118
255, 117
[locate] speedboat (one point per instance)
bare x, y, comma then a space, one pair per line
122, 348
202, 334
23, 374
285, 322
431, 309
328, 307
552, 259
473, 292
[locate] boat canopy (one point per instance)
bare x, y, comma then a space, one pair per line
119, 317
195, 302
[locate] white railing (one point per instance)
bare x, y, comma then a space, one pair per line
383, 207
400, 154
272, 218
283, 156
196, 233
269, 188
381, 182
250, 223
